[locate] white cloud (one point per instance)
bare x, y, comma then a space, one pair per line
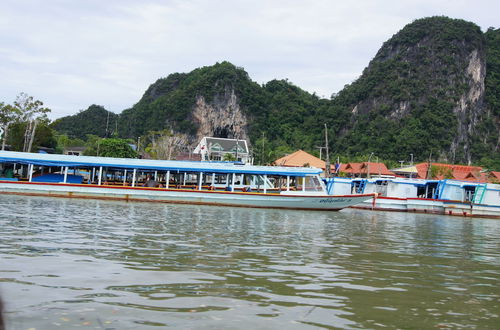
72, 54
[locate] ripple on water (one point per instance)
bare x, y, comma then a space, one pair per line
70, 263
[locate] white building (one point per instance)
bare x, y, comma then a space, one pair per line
211, 148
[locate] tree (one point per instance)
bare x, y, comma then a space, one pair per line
31, 111
111, 147
229, 158
8, 115
165, 144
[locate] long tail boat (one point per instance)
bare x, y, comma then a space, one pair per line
190, 182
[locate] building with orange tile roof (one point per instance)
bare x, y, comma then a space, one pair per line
300, 158
362, 169
494, 177
450, 171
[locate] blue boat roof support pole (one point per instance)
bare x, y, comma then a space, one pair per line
232, 182
134, 177
200, 178
167, 179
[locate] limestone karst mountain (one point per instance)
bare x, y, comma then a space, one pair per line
432, 88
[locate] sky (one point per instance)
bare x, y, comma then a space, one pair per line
72, 54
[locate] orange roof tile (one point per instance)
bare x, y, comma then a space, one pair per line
299, 159
494, 176
362, 168
458, 172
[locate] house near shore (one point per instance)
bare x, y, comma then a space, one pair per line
365, 169
301, 158
216, 149
449, 171
494, 177
442, 171
439, 171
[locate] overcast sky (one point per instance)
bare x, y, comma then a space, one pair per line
71, 54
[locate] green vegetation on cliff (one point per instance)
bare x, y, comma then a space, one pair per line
95, 120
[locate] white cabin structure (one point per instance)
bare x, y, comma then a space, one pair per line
214, 149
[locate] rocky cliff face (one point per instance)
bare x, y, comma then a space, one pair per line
470, 107
223, 117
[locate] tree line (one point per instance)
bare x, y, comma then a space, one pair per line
25, 114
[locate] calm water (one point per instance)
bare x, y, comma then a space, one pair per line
73, 264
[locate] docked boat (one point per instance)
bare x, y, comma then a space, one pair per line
451, 197
213, 183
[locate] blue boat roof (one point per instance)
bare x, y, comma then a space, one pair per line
150, 164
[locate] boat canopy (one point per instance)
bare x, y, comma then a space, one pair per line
150, 164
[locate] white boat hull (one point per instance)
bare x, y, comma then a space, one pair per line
248, 199
433, 206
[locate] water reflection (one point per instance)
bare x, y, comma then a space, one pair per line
69, 263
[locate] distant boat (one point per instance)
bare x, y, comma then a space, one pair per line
211, 183
450, 197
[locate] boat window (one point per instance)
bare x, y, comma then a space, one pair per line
313, 183
469, 193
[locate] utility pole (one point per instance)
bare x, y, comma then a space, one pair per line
262, 151
320, 151
236, 148
428, 174
368, 167
411, 164
107, 125
327, 161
